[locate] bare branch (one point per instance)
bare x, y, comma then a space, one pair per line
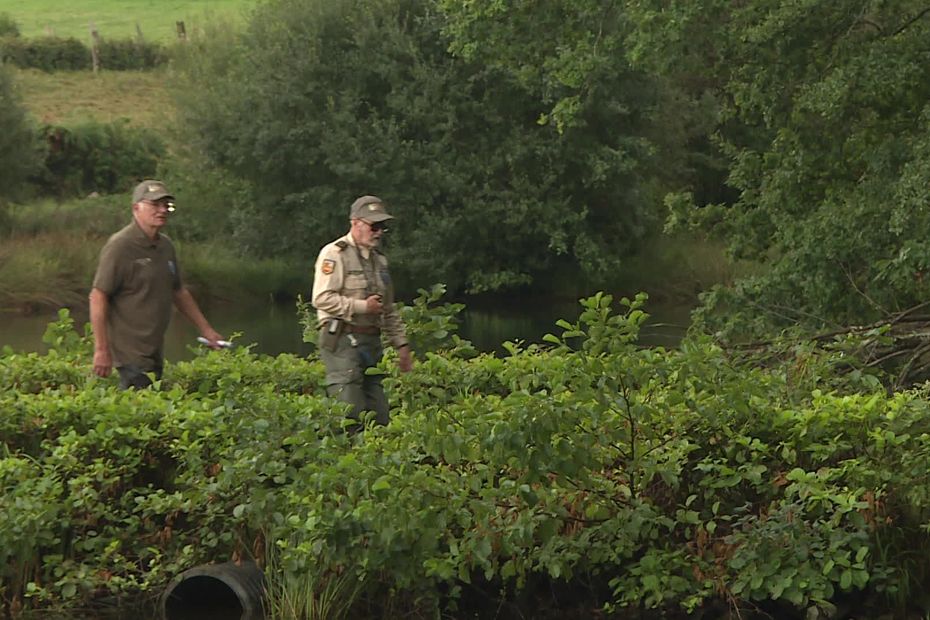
911, 22
864, 295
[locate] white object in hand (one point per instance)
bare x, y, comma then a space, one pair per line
223, 343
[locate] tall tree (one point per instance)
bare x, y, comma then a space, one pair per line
325, 100
826, 121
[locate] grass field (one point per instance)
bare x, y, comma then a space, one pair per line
118, 18
68, 97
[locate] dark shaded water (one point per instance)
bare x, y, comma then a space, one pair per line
274, 328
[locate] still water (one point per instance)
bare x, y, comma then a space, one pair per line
273, 328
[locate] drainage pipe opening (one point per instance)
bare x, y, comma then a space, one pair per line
226, 591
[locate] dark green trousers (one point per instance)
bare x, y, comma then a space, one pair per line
346, 379
134, 377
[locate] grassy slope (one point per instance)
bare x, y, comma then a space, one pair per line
118, 18
48, 256
68, 97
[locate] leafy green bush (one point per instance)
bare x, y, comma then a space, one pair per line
70, 54
828, 150
637, 477
45, 53
20, 148
98, 157
129, 54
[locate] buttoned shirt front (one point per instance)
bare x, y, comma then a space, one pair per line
139, 276
344, 276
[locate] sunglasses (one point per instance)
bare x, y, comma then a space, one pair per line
377, 226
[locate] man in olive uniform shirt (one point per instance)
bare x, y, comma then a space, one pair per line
137, 282
354, 298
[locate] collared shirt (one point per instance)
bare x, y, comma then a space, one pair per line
344, 276
139, 276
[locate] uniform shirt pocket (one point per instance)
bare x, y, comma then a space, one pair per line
355, 281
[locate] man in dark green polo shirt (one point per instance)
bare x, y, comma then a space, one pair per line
136, 284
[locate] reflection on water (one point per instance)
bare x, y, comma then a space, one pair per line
273, 328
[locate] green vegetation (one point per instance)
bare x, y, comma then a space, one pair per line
595, 474
20, 149
118, 18
529, 161
369, 99
823, 119
50, 250
532, 148
74, 97
57, 54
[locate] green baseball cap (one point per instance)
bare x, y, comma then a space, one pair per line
150, 190
370, 209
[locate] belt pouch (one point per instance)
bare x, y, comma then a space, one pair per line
330, 333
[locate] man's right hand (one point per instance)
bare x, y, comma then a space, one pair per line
373, 304
103, 364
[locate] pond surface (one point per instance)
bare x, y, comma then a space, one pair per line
273, 328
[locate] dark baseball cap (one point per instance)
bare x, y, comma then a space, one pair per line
150, 190
370, 209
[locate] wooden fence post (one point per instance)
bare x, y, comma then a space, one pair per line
182, 33
139, 36
95, 47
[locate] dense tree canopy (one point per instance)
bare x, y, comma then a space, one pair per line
325, 101
825, 119
520, 142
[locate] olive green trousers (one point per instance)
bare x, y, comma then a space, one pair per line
346, 379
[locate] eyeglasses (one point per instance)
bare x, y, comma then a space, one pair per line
169, 205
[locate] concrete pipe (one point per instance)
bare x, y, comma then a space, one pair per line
227, 591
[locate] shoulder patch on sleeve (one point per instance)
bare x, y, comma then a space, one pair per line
327, 266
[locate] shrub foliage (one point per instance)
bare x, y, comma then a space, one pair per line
98, 157
70, 54
20, 148
637, 477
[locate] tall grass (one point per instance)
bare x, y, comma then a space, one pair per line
99, 217
306, 593
214, 269
49, 251
51, 270
56, 269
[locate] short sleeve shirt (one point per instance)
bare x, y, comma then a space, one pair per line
139, 276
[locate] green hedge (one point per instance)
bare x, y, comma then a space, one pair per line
97, 157
631, 477
70, 54
131, 54
46, 53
